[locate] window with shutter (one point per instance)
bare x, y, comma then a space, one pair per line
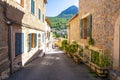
32, 6
43, 18
39, 14
30, 41
85, 21
19, 43
21, 2
43, 37
81, 28
35, 40
89, 30
86, 27
39, 40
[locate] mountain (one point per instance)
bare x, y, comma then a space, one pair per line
69, 12
60, 21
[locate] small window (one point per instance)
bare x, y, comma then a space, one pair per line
32, 40
43, 37
21, 2
43, 18
86, 27
39, 14
39, 35
32, 6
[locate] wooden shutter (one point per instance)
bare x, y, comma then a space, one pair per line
89, 27
32, 6
81, 28
30, 41
43, 18
22, 42
19, 43
22, 3
35, 39
33, 42
39, 14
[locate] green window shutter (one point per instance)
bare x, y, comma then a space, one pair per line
89, 27
81, 28
35, 40
43, 18
19, 43
30, 41
32, 6
39, 14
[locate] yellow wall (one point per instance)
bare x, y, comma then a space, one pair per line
74, 30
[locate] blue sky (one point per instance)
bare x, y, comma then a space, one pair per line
54, 7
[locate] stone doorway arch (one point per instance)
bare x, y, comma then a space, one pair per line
116, 54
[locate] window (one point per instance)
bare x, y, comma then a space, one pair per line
21, 2
19, 43
32, 6
43, 37
43, 18
86, 27
39, 40
39, 14
32, 40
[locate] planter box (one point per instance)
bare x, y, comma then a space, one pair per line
69, 55
100, 71
76, 59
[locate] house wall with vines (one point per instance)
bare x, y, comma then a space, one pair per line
104, 14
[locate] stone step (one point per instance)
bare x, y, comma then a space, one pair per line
41, 54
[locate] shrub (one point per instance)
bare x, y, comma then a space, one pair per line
91, 41
81, 51
64, 45
101, 60
64, 42
95, 57
73, 47
105, 60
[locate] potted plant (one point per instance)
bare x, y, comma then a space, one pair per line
99, 63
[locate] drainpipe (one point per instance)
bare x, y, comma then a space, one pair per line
10, 44
9, 24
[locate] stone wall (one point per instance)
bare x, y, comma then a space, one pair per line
20, 60
4, 59
24, 15
22, 22
104, 15
25, 22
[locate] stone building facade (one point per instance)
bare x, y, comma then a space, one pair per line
103, 15
99, 20
4, 57
73, 29
23, 29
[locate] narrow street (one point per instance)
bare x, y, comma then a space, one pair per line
53, 66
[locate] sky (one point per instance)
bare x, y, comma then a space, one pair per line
54, 7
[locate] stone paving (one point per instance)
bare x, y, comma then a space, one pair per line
55, 65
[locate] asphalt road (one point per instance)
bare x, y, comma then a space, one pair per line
55, 65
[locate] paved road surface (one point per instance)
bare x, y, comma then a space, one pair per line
53, 66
